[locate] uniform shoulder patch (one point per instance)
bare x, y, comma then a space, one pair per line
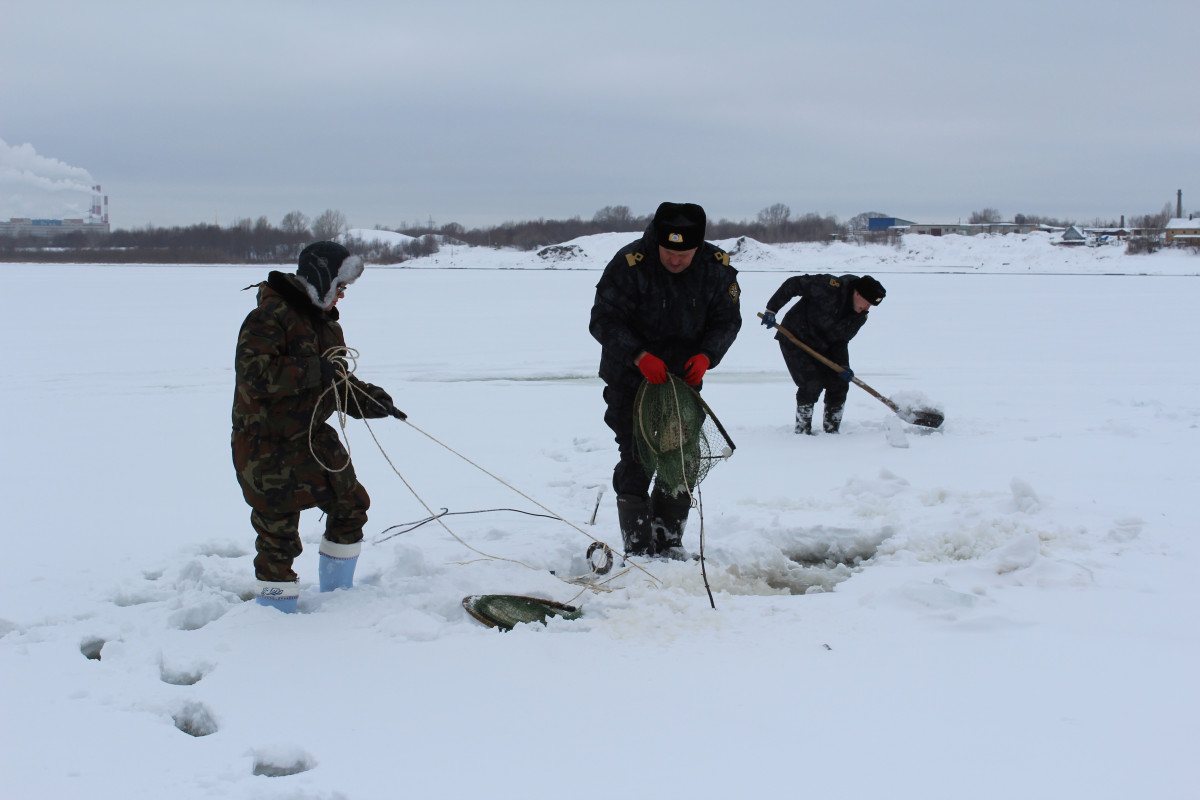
722, 257
735, 291
633, 258
834, 282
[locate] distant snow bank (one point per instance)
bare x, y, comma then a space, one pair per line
370, 236
1005, 253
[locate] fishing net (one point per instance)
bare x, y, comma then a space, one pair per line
678, 437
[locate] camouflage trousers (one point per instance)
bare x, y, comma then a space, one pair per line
812, 377
281, 479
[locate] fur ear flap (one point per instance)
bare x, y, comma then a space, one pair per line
351, 270
324, 265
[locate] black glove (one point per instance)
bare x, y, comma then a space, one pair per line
330, 371
377, 404
768, 319
846, 374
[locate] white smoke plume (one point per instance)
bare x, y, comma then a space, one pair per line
36, 186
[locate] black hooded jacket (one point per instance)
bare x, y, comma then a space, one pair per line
640, 305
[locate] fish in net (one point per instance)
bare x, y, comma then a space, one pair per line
678, 437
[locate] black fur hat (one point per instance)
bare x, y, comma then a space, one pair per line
679, 226
324, 265
871, 289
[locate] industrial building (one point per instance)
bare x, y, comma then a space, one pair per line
1182, 232
96, 222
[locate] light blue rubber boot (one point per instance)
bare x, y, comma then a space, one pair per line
282, 595
336, 568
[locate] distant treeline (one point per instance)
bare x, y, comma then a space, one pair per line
774, 224
259, 242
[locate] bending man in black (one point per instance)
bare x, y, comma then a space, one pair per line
667, 303
830, 312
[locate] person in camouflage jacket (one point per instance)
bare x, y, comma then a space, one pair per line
831, 310
288, 366
666, 303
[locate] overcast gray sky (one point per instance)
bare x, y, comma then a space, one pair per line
487, 112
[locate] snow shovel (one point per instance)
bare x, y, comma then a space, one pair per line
925, 417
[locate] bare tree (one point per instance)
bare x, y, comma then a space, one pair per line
329, 224
775, 216
1036, 219
1148, 231
773, 221
1154, 221
861, 222
986, 217
616, 218
295, 223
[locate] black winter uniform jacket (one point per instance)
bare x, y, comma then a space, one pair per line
641, 306
824, 318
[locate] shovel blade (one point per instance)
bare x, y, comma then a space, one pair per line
925, 417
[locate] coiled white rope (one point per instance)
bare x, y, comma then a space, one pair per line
342, 387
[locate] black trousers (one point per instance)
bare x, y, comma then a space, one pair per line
629, 476
812, 377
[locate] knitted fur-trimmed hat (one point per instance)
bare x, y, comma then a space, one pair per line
679, 226
325, 265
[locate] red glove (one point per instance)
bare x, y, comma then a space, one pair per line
694, 369
653, 368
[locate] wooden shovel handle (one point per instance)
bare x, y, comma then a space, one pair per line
834, 366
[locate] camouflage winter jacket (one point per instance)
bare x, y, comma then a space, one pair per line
278, 363
824, 318
640, 305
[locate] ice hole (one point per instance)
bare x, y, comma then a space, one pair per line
815, 559
91, 648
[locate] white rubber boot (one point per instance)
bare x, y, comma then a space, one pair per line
282, 595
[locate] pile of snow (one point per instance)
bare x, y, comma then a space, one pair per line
586, 252
370, 236
747, 252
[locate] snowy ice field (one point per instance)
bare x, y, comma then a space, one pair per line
1006, 607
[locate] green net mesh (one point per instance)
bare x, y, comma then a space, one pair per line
678, 437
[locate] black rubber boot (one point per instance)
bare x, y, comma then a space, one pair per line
833, 418
804, 412
668, 520
633, 515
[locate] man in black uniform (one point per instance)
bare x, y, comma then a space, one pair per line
667, 303
830, 312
